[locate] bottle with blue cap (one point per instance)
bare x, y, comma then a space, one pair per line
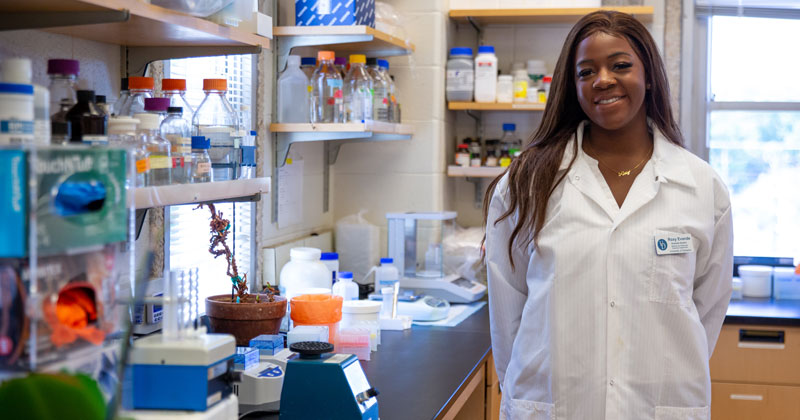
510, 142
386, 275
200, 161
485, 74
381, 101
345, 287
460, 75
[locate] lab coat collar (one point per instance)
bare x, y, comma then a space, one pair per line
669, 162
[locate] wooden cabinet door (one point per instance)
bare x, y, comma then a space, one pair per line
732, 401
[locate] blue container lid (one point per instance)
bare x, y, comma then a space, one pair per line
384, 64
200, 142
253, 133
387, 260
486, 49
16, 88
509, 127
308, 61
329, 256
461, 51
345, 275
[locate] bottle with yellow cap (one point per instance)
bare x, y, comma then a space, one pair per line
358, 91
327, 97
216, 120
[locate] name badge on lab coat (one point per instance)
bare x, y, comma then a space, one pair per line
673, 243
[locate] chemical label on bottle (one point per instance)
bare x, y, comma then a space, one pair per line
94, 140
142, 165
16, 132
505, 162
460, 80
491, 161
160, 162
462, 159
475, 162
334, 83
203, 168
520, 90
219, 139
177, 162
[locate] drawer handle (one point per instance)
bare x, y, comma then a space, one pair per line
747, 397
760, 339
766, 346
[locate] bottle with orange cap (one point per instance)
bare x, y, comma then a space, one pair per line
139, 88
358, 90
327, 97
175, 90
216, 120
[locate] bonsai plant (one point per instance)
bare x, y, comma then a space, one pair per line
242, 314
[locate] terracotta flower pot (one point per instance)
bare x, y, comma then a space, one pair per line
245, 320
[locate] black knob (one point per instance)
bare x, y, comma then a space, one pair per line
311, 349
364, 396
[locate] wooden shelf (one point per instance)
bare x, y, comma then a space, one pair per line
173, 195
147, 26
345, 40
485, 106
475, 172
553, 15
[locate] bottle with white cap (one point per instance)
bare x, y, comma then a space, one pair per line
122, 133
345, 286
18, 71
304, 271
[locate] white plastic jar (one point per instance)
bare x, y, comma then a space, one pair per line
16, 113
756, 280
304, 271
460, 82
505, 89
486, 74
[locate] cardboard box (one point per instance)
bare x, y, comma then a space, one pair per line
334, 12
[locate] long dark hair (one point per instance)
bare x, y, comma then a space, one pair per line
532, 175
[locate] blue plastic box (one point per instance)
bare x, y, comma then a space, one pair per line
14, 204
245, 358
334, 12
267, 345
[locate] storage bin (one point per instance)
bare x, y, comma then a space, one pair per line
786, 283
319, 310
334, 12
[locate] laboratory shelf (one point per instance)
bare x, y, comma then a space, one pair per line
475, 172
206, 192
486, 106
343, 40
150, 32
338, 133
548, 15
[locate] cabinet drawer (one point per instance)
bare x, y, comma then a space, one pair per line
750, 402
757, 354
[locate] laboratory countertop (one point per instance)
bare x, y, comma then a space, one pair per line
418, 372
764, 311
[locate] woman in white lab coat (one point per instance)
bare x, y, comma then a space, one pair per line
608, 245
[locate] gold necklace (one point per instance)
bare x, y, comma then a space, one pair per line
628, 172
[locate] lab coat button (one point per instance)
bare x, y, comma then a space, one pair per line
611, 382
612, 305
577, 177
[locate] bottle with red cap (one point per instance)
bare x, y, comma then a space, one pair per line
175, 90
327, 97
63, 75
139, 89
216, 120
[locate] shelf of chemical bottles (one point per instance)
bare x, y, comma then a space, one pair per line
204, 192
547, 15
495, 106
343, 40
474, 171
338, 133
150, 32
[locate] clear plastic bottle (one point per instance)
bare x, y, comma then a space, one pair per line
293, 104
139, 89
175, 90
386, 275
201, 162
381, 102
345, 287
510, 141
123, 96
520, 85
358, 91
158, 147
88, 124
216, 120
327, 97
391, 91
178, 131
63, 75
341, 65
308, 65
122, 133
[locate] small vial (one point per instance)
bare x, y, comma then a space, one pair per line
201, 162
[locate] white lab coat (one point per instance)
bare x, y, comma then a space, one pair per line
594, 324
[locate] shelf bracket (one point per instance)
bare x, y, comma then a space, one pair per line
478, 123
477, 27
478, 184
11, 21
287, 44
137, 58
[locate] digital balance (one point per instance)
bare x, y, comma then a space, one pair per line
416, 246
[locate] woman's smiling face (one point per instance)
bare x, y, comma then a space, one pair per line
610, 81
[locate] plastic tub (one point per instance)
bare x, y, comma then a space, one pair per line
363, 313
756, 280
460, 81
354, 340
787, 283
321, 310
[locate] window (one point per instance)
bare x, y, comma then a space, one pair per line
753, 127
188, 228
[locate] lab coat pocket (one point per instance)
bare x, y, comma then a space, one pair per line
526, 410
672, 276
682, 413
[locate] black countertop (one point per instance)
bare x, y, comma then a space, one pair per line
764, 311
